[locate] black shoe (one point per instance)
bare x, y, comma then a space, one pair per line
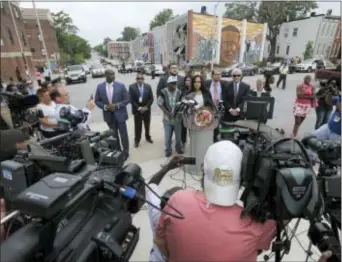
168, 154
149, 140
136, 144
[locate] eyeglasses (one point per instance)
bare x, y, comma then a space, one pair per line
140, 78
236, 75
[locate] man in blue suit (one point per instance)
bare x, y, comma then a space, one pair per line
112, 97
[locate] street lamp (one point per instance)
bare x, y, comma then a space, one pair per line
211, 44
17, 32
42, 36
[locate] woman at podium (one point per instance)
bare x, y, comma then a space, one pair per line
199, 93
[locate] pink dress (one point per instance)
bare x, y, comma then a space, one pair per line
302, 106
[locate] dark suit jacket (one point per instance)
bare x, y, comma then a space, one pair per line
163, 83
230, 102
254, 93
120, 98
147, 99
223, 84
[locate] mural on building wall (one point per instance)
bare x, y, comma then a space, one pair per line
205, 28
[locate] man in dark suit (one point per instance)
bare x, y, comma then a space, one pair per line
112, 97
172, 71
141, 99
233, 97
217, 88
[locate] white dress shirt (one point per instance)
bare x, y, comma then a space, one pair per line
219, 90
49, 113
110, 91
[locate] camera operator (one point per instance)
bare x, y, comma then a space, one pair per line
325, 107
61, 97
48, 120
154, 214
213, 228
331, 130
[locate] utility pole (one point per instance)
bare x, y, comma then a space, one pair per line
17, 32
211, 45
42, 37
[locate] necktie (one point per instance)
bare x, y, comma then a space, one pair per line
110, 93
235, 93
141, 91
216, 98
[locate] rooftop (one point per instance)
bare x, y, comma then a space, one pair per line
43, 14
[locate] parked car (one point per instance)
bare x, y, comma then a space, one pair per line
310, 65
158, 70
86, 69
128, 69
324, 76
247, 69
272, 69
97, 70
75, 73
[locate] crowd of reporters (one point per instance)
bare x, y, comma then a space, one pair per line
214, 228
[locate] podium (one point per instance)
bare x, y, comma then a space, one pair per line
201, 124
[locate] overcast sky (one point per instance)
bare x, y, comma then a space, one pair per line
97, 20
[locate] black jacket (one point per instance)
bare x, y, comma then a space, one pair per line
254, 93
147, 99
230, 102
163, 83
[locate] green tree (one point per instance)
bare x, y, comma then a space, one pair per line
238, 11
274, 13
129, 33
161, 18
308, 53
74, 49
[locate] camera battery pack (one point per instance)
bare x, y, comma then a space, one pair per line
49, 196
113, 158
13, 178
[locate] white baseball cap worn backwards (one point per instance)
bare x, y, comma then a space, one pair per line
222, 167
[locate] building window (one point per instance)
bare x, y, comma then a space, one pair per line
2, 42
10, 36
286, 32
277, 51
1, 5
287, 50
23, 38
295, 31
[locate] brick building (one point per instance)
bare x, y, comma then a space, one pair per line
15, 50
35, 40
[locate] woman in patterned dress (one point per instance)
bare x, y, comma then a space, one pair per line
304, 102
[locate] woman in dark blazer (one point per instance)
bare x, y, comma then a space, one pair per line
199, 93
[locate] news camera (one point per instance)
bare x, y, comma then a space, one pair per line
21, 108
71, 118
71, 153
277, 176
79, 218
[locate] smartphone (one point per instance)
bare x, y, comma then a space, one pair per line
188, 160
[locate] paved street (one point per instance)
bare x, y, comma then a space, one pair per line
151, 156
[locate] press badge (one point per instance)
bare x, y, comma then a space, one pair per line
337, 119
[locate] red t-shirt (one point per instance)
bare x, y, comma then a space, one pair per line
210, 232
308, 90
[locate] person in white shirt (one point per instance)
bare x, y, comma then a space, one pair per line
47, 119
283, 70
154, 198
61, 98
259, 90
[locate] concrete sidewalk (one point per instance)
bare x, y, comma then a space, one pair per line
150, 157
